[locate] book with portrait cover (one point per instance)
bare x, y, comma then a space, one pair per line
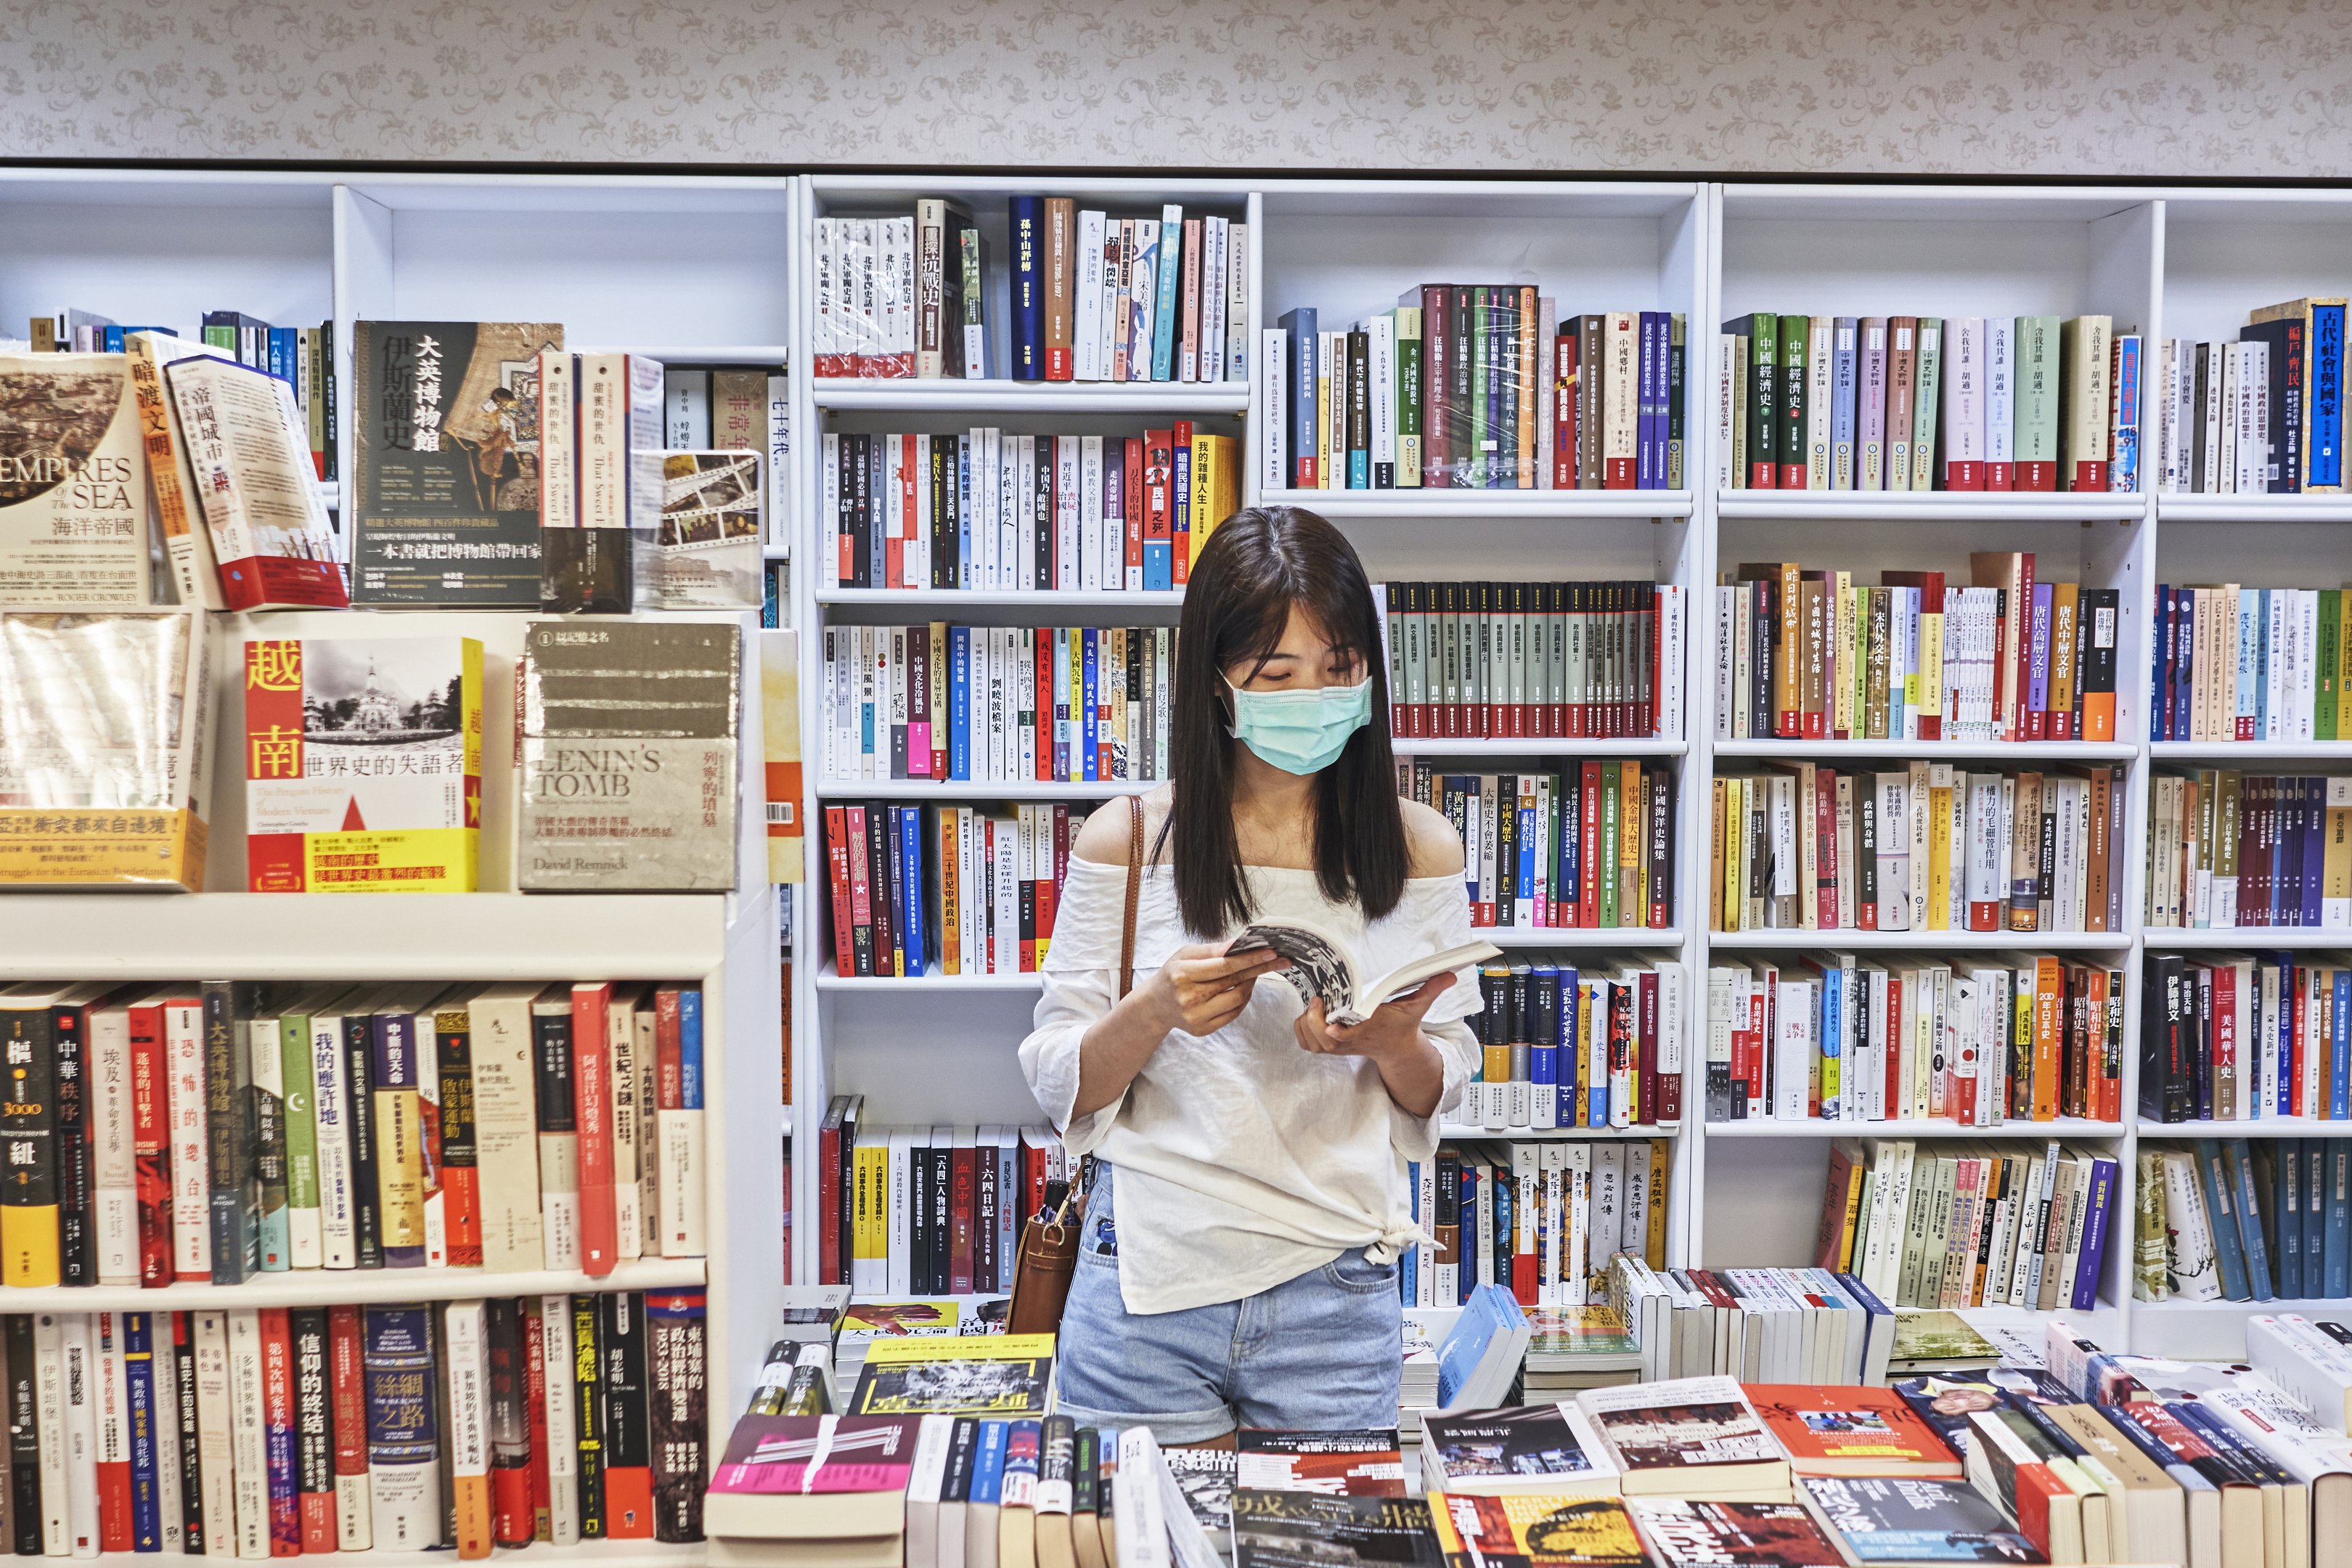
364, 765
1683, 1534
1851, 1431
444, 500
1362, 1463
1538, 1532
1549, 1449
1302, 1529
998, 1375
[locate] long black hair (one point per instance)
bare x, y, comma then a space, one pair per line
1258, 565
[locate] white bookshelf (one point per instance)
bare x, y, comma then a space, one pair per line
711, 271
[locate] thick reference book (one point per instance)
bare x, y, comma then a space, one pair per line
1322, 966
364, 765
630, 756
443, 502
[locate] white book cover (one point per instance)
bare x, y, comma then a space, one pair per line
2000, 402
1381, 368
332, 1112
215, 1430
114, 1169
1964, 409
49, 1411
1726, 405
564, 1457
1794, 1014
1274, 394
165, 1362
183, 1045
248, 1434
1820, 381
84, 1390
1085, 338
467, 1422
506, 1133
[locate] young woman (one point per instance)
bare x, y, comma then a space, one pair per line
1238, 1262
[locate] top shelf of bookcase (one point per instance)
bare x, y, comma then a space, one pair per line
381, 936
998, 392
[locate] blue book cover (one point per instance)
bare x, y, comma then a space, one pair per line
1488, 1313
2159, 671
910, 882
1657, 343
1025, 224
2315, 1156
2183, 643
988, 1463
1833, 1005
689, 1047
2286, 1206
2097, 1219
1409, 1266
1845, 401
1506, 1195
1163, 312
962, 576
2324, 453
147, 1425
2339, 1087
2335, 1249
1087, 702
2221, 1218
1570, 1062
960, 702
1301, 326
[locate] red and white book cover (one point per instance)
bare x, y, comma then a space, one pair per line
592, 1079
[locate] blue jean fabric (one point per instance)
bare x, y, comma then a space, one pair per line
1322, 1351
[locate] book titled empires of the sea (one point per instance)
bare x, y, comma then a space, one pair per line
73, 482
445, 471
630, 742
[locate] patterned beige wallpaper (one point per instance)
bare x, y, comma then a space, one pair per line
2229, 88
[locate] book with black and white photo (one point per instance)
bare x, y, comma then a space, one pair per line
1549, 1449
1322, 966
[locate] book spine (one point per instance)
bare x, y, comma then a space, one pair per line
468, 1416
403, 1429
357, 1085
314, 1436
78, 1240
559, 1137
629, 1473
278, 1433
28, 1198
591, 1081
347, 1402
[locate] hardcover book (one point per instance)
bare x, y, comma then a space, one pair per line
443, 504
1766, 1534
73, 481
364, 765
1536, 1531
589, 551
705, 553
630, 771
1287, 1529
104, 732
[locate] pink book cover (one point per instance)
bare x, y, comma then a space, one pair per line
769, 1454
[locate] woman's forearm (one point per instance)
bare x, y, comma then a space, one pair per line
1114, 1049
1415, 1076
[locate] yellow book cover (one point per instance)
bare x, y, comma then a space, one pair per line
1848, 658
1735, 829
1536, 1530
950, 900
364, 765
1631, 820
1939, 849
1931, 665
1654, 1237
780, 741
991, 1375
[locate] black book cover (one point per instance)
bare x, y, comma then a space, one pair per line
443, 506
627, 1440
679, 1413
941, 478
2286, 367
588, 1414
943, 1234
846, 1167
314, 1435
24, 1436
191, 1443
358, 1098
857, 501
918, 1221
880, 826
1304, 1529
77, 1194
235, 1184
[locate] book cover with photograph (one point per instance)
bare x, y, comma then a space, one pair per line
1531, 1448
1851, 1431
1295, 1530
1535, 1531
1685, 1534
73, 482
1000, 1375
1339, 1463
705, 553
1903, 1519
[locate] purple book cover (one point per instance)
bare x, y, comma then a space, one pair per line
2037, 684
1646, 399
1869, 428
2095, 1235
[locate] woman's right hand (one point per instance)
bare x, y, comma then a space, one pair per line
1200, 990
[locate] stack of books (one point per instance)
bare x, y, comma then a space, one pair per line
1836, 1038
1927, 847
1476, 387
1813, 655
1928, 403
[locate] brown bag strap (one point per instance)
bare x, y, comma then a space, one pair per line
1134, 894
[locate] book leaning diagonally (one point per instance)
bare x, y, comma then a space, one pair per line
1322, 966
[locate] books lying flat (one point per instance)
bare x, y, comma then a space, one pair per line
1293, 1529
1902, 1520
1549, 1449
815, 1479
1850, 1432
997, 1374
1339, 1463
1685, 1535
1322, 967
1546, 1529
1694, 1437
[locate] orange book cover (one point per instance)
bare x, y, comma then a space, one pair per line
2048, 982
1851, 1431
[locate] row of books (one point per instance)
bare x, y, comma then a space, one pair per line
1589, 850
2251, 664
2262, 414
990, 509
1476, 387
997, 704
1540, 1219
1926, 403
1539, 660
2228, 850
300, 356
951, 890
215, 1131
2010, 1037
2245, 1037
1965, 1223
2242, 1219
1561, 1046
1804, 654
283, 1432
1807, 1324
1806, 847
900, 1210
1095, 296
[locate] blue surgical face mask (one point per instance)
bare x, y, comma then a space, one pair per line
1300, 731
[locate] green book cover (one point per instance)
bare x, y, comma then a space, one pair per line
1926, 401
1408, 395
303, 1216
1789, 446
1762, 331
2034, 434
2323, 710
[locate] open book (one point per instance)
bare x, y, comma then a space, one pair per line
1321, 965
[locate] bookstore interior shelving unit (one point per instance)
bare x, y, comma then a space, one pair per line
715, 271
607, 257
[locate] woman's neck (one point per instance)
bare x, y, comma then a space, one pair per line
1272, 810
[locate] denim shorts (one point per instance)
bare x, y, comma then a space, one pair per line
1322, 1352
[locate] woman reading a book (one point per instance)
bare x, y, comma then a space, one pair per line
1238, 1264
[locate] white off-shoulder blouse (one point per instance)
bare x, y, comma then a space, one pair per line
1243, 1159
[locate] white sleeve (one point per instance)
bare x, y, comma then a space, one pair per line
1078, 982
1441, 908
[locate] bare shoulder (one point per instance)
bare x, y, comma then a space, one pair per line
1104, 837
1433, 847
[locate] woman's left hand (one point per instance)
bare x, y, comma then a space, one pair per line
1393, 1027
